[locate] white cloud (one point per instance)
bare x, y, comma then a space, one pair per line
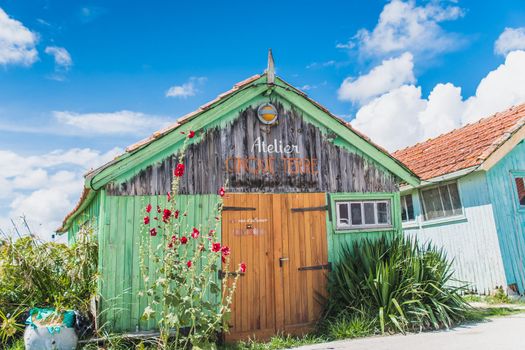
321, 64
17, 43
61, 55
404, 26
511, 39
45, 187
389, 75
402, 117
187, 89
120, 122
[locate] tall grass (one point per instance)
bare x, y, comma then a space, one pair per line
402, 285
34, 273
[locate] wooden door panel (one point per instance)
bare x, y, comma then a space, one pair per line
249, 234
272, 296
304, 244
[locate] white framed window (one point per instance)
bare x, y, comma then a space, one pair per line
520, 189
407, 208
441, 201
363, 214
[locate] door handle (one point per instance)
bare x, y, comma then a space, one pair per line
281, 260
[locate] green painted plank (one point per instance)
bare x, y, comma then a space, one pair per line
127, 278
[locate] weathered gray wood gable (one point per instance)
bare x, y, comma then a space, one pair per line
300, 159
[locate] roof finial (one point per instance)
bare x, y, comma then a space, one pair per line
270, 71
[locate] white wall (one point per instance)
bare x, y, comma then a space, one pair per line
471, 240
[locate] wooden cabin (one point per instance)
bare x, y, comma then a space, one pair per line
471, 200
301, 183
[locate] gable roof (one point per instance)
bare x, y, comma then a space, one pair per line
97, 178
463, 148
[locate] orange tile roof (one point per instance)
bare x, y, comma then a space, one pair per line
462, 148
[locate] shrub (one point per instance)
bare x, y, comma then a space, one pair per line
46, 274
404, 286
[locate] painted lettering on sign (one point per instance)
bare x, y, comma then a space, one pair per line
278, 147
260, 166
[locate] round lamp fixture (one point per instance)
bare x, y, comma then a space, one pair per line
267, 113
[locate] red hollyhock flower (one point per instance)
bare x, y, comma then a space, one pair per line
148, 208
153, 232
176, 214
179, 170
174, 238
170, 245
191, 134
146, 220
168, 196
216, 247
212, 232
188, 263
225, 251
166, 215
242, 267
158, 209
222, 192
223, 258
195, 233
183, 240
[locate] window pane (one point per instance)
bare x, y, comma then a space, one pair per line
520, 187
432, 204
445, 199
382, 213
456, 202
369, 213
407, 208
355, 209
343, 213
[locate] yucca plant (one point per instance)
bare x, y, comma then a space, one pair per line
403, 285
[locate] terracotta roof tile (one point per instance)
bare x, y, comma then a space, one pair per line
462, 148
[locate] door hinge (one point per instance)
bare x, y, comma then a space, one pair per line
225, 208
316, 267
321, 208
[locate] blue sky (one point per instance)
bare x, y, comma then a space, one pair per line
79, 81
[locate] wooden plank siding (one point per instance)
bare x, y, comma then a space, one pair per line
88, 216
509, 216
212, 162
469, 240
121, 306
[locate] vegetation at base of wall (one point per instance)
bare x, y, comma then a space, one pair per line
34, 273
498, 297
400, 284
349, 325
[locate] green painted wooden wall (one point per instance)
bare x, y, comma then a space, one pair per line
508, 214
121, 305
88, 216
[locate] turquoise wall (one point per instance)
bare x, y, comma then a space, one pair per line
470, 240
509, 215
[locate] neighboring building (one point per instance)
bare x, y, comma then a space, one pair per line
301, 184
471, 200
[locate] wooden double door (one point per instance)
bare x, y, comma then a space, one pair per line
282, 240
